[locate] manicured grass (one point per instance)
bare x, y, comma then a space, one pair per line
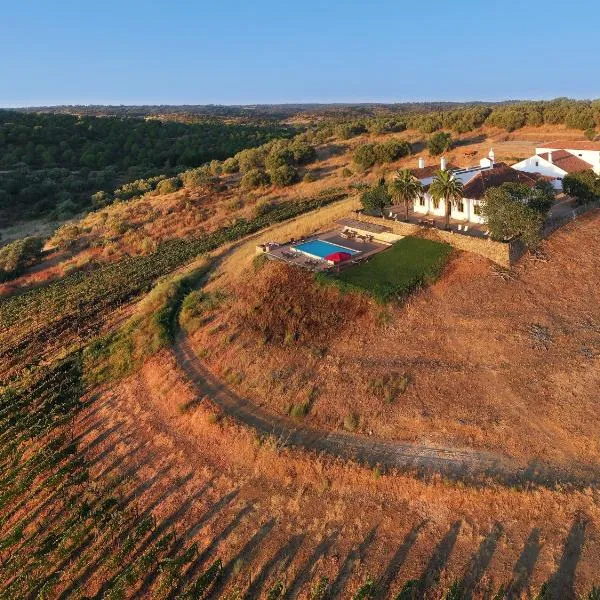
397, 271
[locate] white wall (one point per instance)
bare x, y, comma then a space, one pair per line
590, 156
536, 164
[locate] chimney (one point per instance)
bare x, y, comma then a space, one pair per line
443, 163
421, 163
492, 156
550, 156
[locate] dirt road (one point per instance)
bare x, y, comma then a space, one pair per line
454, 463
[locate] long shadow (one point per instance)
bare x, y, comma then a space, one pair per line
523, 569
396, 562
304, 572
356, 554
168, 522
93, 566
194, 568
437, 562
480, 562
245, 555
561, 586
279, 562
117, 461
188, 535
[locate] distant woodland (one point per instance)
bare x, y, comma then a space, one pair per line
58, 161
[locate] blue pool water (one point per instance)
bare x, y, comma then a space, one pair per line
321, 248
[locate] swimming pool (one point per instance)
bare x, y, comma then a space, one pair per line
321, 248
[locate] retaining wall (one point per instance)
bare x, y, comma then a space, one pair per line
503, 253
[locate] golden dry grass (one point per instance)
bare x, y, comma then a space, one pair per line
159, 416
504, 365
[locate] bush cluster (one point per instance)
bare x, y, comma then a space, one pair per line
367, 155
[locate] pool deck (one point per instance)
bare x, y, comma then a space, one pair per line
285, 254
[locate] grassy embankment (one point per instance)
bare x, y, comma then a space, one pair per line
394, 273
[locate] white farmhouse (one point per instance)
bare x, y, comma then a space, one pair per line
557, 159
476, 180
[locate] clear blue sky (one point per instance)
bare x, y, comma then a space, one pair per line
234, 52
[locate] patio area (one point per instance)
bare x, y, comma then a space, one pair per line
398, 213
360, 248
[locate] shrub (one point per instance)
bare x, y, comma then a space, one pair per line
18, 255
303, 153
346, 172
351, 421
392, 150
389, 386
590, 134
439, 142
279, 156
255, 178
284, 175
309, 177
197, 308
364, 156
168, 186
100, 199
299, 410
248, 160
231, 165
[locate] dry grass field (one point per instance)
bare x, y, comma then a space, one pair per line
311, 517
492, 361
503, 364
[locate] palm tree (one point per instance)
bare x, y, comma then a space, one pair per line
447, 188
405, 188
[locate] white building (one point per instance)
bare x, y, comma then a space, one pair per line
476, 180
558, 159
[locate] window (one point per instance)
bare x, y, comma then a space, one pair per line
460, 207
477, 209
537, 163
422, 201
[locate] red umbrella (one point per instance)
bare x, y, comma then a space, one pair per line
338, 257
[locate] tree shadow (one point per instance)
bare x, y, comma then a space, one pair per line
188, 535
561, 586
397, 560
304, 572
356, 554
475, 139
480, 562
437, 562
194, 568
244, 555
523, 569
278, 563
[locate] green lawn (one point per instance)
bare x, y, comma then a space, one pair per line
397, 271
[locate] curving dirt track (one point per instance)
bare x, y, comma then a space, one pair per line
454, 463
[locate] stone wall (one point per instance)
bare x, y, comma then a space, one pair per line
503, 253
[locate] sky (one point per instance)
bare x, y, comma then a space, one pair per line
234, 52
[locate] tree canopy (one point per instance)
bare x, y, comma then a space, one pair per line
509, 215
405, 188
376, 199
439, 143
584, 186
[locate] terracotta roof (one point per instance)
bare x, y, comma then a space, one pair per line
430, 171
476, 187
571, 145
566, 161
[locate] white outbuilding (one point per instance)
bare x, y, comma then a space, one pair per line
557, 159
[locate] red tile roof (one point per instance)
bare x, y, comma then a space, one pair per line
475, 188
430, 171
567, 145
566, 161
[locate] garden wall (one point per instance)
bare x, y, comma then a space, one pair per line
503, 253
